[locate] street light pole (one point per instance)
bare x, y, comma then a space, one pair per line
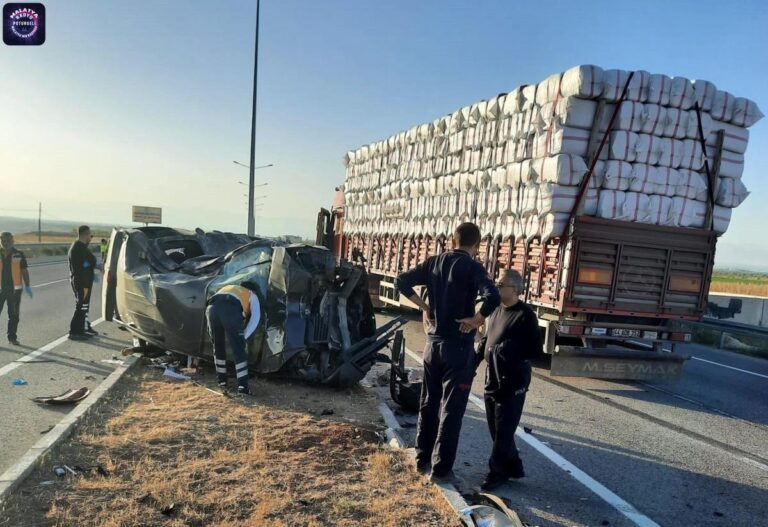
251, 179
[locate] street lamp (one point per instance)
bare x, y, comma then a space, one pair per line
255, 168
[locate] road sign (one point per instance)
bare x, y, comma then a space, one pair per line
147, 214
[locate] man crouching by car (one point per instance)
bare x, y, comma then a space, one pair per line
511, 338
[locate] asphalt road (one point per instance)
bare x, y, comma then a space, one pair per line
693, 452
62, 364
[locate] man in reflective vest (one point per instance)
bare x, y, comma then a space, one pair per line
104, 246
234, 311
14, 276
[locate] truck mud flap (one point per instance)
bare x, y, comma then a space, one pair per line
617, 364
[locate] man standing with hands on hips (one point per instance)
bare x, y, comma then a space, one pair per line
14, 276
453, 281
512, 338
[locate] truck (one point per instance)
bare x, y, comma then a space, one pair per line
608, 294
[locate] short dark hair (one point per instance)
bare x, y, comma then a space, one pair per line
467, 235
82, 229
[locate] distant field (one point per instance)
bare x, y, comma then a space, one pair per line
32, 238
740, 283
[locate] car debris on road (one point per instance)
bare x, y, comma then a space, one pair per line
69, 397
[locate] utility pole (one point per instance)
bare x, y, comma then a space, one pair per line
251, 179
39, 222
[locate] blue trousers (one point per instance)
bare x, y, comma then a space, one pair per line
225, 320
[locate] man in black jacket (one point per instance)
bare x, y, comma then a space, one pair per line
512, 337
453, 280
82, 266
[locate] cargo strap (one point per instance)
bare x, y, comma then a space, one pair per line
711, 181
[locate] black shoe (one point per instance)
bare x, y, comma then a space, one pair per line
444, 479
516, 470
78, 336
493, 481
14, 342
243, 390
91, 331
423, 466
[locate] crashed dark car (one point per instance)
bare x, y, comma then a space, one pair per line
317, 320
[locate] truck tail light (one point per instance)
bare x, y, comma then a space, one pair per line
680, 337
570, 330
685, 283
595, 276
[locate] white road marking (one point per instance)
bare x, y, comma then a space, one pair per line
711, 362
51, 283
612, 499
731, 367
41, 351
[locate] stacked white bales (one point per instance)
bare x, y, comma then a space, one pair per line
514, 163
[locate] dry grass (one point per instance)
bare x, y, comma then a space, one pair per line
737, 288
45, 238
226, 462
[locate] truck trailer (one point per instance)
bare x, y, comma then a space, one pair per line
608, 292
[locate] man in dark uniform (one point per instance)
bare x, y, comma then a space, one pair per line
82, 265
512, 337
14, 276
233, 313
453, 280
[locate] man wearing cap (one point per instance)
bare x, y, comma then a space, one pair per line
14, 276
512, 337
453, 281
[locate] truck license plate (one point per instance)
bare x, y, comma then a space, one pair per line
633, 333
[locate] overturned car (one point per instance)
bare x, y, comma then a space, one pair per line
317, 320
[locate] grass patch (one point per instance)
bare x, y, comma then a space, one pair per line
754, 284
265, 460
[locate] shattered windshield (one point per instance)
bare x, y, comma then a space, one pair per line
252, 263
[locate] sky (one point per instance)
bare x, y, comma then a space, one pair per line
148, 102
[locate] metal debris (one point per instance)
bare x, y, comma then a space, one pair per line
69, 397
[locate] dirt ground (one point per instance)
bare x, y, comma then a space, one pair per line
171, 453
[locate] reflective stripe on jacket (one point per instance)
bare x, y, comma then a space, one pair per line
239, 292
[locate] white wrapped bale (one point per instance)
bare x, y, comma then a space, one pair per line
562, 140
671, 153
675, 123
667, 181
644, 179
681, 93
705, 94
615, 80
658, 89
693, 155
722, 106
649, 149
745, 112
688, 212
731, 163
691, 185
585, 82
735, 138
548, 89
567, 112
626, 206
730, 192
561, 169
621, 146
613, 174
558, 198
529, 195
721, 218
552, 225
659, 210
653, 119
692, 125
